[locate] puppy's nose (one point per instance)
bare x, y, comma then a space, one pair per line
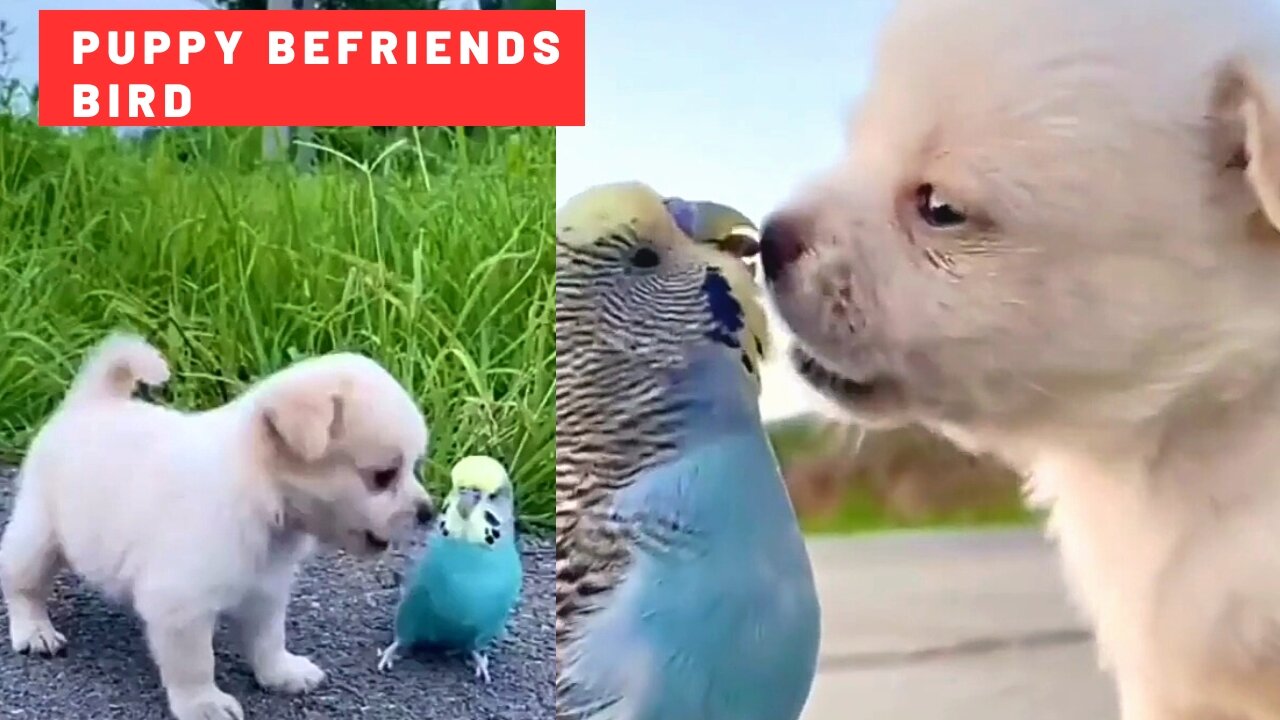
426, 512
782, 241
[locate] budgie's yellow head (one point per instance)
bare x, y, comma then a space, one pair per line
480, 504
654, 289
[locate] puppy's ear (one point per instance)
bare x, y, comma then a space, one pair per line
1248, 94
304, 422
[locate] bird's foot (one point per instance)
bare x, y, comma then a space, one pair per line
482, 666
387, 659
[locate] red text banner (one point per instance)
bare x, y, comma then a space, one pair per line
312, 67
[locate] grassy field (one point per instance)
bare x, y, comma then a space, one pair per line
429, 250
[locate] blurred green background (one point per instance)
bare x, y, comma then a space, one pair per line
842, 479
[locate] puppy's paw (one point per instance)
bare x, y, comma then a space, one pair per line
37, 638
210, 704
290, 674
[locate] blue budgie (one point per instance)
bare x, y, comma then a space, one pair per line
463, 589
683, 587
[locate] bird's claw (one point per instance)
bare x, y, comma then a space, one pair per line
482, 666
387, 659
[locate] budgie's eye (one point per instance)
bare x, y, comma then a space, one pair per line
645, 258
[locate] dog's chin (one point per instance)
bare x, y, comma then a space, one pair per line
872, 399
375, 543
359, 542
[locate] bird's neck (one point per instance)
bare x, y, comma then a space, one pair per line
718, 396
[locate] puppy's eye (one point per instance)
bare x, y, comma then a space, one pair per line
936, 211
383, 479
645, 258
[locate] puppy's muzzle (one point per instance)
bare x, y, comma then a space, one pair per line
783, 241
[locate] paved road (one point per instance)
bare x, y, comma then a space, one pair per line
972, 626
340, 615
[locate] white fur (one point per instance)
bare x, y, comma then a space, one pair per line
190, 516
1109, 317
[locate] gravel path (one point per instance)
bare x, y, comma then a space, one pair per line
340, 615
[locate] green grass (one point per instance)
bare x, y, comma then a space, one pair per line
862, 513
434, 257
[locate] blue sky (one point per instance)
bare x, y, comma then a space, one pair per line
715, 99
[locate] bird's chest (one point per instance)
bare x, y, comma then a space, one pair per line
719, 622
459, 594
737, 631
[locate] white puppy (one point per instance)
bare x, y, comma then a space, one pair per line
193, 515
1055, 236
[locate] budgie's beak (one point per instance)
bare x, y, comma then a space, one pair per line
712, 223
467, 501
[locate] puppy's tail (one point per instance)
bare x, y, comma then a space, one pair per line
114, 368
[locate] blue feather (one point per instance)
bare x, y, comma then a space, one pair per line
720, 621
684, 213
